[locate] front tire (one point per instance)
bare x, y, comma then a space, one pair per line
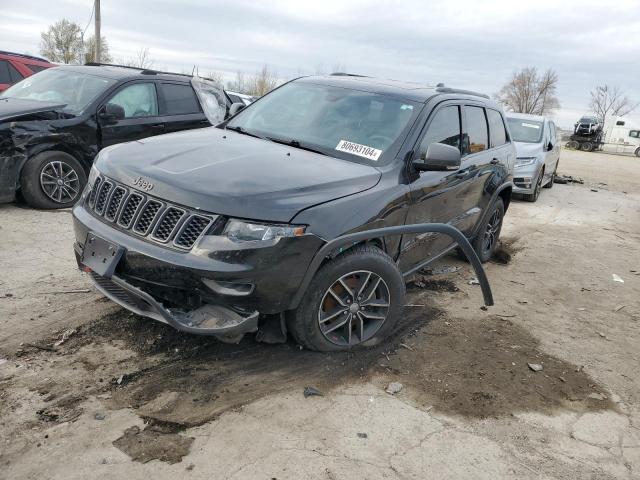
638, 152
354, 300
52, 180
533, 197
486, 241
586, 146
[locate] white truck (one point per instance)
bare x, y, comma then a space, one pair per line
620, 138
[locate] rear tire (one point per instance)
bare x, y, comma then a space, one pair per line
573, 145
586, 146
359, 320
52, 180
638, 152
486, 241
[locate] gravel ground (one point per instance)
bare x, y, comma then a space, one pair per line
90, 391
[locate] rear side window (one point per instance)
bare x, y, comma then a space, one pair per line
179, 99
16, 76
5, 76
36, 68
475, 137
444, 128
496, 128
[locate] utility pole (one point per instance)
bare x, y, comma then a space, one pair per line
96, 6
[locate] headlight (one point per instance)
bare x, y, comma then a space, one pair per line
524, 161
240, 231
93, 174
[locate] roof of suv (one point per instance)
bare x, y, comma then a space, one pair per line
117, 72
527, 116
406, 90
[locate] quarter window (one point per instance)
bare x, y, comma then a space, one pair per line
444, 128
179, 99
475, 138
137, 100
5, 76
496, 128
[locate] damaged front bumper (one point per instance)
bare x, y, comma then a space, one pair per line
217, 288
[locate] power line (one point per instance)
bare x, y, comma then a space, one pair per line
93, 9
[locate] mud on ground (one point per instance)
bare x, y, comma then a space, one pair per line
159, 400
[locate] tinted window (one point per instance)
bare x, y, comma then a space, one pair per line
36, 68
496, 127
475, 136
16, 76
179, 99
444, 128
5, 77
138, 100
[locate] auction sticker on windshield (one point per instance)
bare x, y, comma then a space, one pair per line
360, 150
531, 125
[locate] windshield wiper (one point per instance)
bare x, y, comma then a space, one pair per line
296, 144
245, 132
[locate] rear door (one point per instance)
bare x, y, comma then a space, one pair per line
142, 119
435, 196
180, 107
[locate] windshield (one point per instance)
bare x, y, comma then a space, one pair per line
350, 124
75, 90
523, 130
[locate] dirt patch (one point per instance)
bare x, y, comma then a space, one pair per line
505, 251
480, 369
154, 442
425, 283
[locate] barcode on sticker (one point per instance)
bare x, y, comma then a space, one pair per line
360, 150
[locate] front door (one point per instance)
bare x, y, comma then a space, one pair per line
141, 114
436, 197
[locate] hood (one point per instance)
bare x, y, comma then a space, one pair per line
17, 107
525, 149
228, 173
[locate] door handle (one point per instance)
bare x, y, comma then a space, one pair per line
494, 161
158, 127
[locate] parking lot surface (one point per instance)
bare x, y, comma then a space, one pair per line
88, 390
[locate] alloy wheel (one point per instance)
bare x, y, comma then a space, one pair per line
492, 231
60, 182
354, 308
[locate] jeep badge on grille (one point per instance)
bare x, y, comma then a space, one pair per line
142, 184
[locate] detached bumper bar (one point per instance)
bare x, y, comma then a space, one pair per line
206, 320
352, 238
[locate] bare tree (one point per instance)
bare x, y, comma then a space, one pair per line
217, 77
142, 59
90, 50
263, 82
528, 92
62, 42
610, 101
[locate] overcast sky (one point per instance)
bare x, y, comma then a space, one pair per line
467, 44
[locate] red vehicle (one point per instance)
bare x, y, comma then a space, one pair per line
16, 66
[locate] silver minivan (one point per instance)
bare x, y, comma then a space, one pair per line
537, 153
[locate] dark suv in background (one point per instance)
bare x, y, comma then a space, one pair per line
53, 124
206, 230
16, 66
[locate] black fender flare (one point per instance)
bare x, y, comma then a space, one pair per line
494, 195
350, 238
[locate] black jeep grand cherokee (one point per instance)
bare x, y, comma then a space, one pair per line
208, 229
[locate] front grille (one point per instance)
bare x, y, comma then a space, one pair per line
114, 203
170, 218
191, 231
102, 197
151, 218
147, 216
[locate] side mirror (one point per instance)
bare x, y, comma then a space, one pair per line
549, 146
235, 108
111, 112
439, 157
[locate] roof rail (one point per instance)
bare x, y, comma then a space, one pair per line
143, 71
442, 89
24, 55
344, 74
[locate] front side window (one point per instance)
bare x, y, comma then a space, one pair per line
179, 99
476, 135
137, 100
444, 128
5, 76
355, 125
60, 85
634, 133
525, 130
496, 128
